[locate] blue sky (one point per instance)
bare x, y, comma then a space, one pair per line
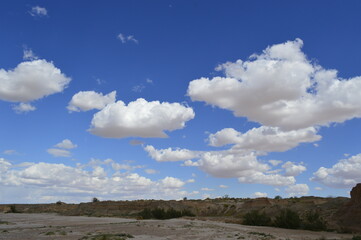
170, 99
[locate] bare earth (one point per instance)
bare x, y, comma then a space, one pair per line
51, 226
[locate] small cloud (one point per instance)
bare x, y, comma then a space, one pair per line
100, 81
151, 171
275, 162
66, 144
135, 142
316, 144
318, 188
38, 11
150, 81
23, 108
259, 194
207, 189
223, 186
59, 152
124, 38
346, 154
138, 88
10, 152
28, 54
191, 181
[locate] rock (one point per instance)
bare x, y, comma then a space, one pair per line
349, 215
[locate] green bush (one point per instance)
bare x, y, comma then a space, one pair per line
255, 218
356, 237
314, 222
287, 219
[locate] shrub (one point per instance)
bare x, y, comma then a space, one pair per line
278, 197
356, 237
287, 219
313, 221
95, 199
255, 218
13, 209
160, 213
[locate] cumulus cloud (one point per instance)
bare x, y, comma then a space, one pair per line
292, 169
62, 180
140, 118
259, 195
170, 155
66, 144
23, 108
297, 190
230, 163
30, 81
38, 11
344, 174
88, 100
127, 38
281, 88
56, 152
267, 139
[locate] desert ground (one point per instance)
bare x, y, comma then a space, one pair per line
16, 226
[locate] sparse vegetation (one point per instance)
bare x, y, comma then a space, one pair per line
358, 237
255, 218
263, 235
119, 236
160, 213
287, 219
313, 221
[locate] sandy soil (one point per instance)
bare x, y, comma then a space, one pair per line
52, 226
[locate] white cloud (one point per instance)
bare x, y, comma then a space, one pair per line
23, 108
231, 163
28, 54
88, 100
138, 88
259, 195
10, 152
275, 162
151, 171
170, 155
291, 169
140, 118
59, 152
344, 174
30, 81
207, 189
171, 182
318, 188
281, 88
223, 186
267, 139
124, 38
297, 190
267, 179
150, 81
66, 144
59, 180
38, 11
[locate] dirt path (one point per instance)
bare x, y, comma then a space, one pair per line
51, 226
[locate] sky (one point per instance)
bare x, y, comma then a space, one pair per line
167, 99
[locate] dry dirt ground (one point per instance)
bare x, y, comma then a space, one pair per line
14, 226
